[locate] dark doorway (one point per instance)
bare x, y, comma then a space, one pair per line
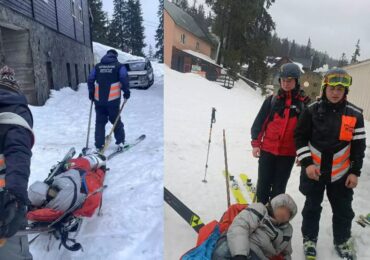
69, 75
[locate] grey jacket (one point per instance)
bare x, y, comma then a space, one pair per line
253, 229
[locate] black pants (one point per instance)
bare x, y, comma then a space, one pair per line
340, 198
103, 113
273, 175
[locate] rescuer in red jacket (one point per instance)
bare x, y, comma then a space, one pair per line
273, 134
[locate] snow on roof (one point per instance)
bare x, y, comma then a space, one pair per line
100, 50
202, 56
323, 69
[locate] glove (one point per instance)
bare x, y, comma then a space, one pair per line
12, 214
240, 257
126, 95
91, 95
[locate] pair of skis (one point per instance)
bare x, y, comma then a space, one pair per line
192, 218
237, 192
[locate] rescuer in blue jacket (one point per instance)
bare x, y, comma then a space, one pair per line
105, 82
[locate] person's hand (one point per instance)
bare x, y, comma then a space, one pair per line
91, 95
12, 214
256, 152
313, 172
351, 181
126, 95
297, 162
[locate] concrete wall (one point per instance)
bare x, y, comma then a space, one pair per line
172, 38
45, 45
359, 93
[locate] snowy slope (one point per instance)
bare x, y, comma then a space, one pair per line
132, 223
188, 102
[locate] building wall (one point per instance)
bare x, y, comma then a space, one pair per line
172, 38
46, 45
169, 29
359, 93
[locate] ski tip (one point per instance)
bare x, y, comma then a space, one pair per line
141, 137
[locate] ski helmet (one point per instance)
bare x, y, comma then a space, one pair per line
335, 77
290, 70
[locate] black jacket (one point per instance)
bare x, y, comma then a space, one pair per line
320, 125
16, 144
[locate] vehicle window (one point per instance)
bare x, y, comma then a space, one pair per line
137, 66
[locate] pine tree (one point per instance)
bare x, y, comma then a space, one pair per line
323, 60
285, 47
343, 60
356, 53
244, 29
99, 26
135, 28
118, 31
183, 4
150, 53
293, 50
315, 61
308, 49
159, 33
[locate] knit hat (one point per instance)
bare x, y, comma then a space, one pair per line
284, 200
7, 79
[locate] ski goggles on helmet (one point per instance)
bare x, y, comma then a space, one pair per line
337, 79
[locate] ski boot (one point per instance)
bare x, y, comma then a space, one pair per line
309, 247
346, 250
120, 146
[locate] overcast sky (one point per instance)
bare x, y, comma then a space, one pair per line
149, 9
334, 26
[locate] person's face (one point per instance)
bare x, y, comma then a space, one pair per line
334, 94
282, 215
287, 84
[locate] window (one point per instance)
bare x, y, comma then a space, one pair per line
69, 75
73, 8
76, 72
197, 46
182, 39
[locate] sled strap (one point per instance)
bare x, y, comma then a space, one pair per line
64, 239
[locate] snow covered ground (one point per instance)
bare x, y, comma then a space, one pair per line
132, 223
188, 102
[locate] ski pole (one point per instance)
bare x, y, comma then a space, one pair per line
88, 129
213, 120
227, 171
109, 137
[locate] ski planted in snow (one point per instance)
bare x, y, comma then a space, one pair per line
235, 189
187, 214
250, 187
126, 147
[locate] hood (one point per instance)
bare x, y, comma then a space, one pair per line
284, 200
8, 97
109, 58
